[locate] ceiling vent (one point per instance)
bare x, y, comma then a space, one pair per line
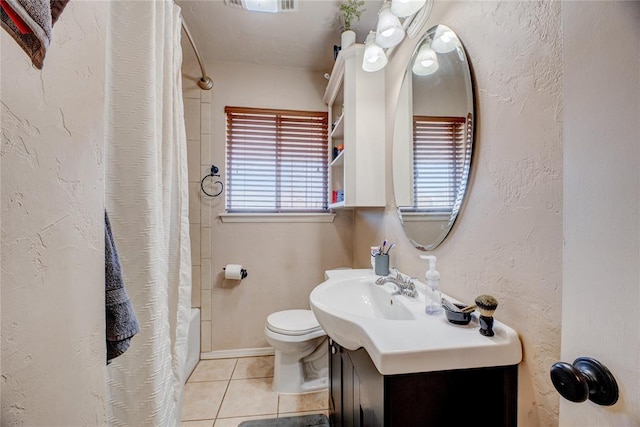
273, 6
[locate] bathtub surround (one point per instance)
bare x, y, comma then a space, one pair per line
147, 200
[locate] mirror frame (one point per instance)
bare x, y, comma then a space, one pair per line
470, 141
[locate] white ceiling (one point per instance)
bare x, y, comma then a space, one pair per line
302, 39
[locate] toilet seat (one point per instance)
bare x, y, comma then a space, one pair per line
293, 322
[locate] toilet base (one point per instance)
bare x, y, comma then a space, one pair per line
292, 376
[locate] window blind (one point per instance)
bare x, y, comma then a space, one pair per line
277, 160
439, 150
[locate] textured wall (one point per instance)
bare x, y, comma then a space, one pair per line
601, 279
53, 357
508, 239
285, 260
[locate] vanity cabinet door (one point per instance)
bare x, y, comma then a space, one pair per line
335, 383
368, 390
362, 397
435, 398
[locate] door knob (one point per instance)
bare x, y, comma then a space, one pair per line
585, 379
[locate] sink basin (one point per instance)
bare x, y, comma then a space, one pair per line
361, 298
396, 332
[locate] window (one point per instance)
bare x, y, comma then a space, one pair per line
439, 150
277, 161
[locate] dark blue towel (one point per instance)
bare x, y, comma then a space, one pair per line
122, 323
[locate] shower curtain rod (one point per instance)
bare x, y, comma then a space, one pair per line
205, 82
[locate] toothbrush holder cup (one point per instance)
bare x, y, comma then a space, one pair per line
382, 265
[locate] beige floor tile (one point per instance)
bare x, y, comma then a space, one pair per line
202, 400
318, 400
249, 397
234, 422
213, 370
199, 423
253, 367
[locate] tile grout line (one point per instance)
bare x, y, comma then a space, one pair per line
225, 391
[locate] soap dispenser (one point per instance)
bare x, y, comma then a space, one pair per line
433, 301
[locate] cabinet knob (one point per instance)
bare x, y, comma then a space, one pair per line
585, 379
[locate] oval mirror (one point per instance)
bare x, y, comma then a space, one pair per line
433, 138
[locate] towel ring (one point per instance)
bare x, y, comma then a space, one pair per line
214, 173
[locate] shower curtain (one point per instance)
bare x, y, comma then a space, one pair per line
147, 202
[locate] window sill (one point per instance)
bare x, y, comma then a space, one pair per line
423, 216
277, 217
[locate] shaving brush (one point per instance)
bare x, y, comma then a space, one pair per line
486, 306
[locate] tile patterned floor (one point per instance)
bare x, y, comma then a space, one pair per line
225, 392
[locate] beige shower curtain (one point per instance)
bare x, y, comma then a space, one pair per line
147, 202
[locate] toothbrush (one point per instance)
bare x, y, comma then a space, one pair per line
389, 248
384, 243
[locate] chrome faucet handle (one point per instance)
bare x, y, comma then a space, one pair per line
410, 291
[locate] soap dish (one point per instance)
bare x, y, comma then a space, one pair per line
457, 317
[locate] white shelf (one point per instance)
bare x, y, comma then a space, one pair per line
339, 160
336, 205
338, 128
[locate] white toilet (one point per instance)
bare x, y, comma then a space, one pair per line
301, 363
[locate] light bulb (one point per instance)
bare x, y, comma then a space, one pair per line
444, 40
426, 61
374, 57
403, 8
389, 31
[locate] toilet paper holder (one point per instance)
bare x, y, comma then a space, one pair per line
243, 272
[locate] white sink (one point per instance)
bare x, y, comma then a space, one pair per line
396, 332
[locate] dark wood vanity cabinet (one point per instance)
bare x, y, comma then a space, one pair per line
361, 396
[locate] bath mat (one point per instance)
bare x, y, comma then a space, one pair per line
316, 420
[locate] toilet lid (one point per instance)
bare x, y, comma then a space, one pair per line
293, 322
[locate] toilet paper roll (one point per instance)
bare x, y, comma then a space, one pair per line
233, 272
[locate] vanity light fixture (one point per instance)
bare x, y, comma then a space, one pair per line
444, 41
404, 8
374, 57
426, 62
389, 31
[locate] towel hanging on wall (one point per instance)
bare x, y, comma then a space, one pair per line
30, 23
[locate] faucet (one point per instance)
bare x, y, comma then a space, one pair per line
405, 285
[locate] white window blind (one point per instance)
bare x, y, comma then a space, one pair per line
277, 160
439, 150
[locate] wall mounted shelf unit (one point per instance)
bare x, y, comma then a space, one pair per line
356, 105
